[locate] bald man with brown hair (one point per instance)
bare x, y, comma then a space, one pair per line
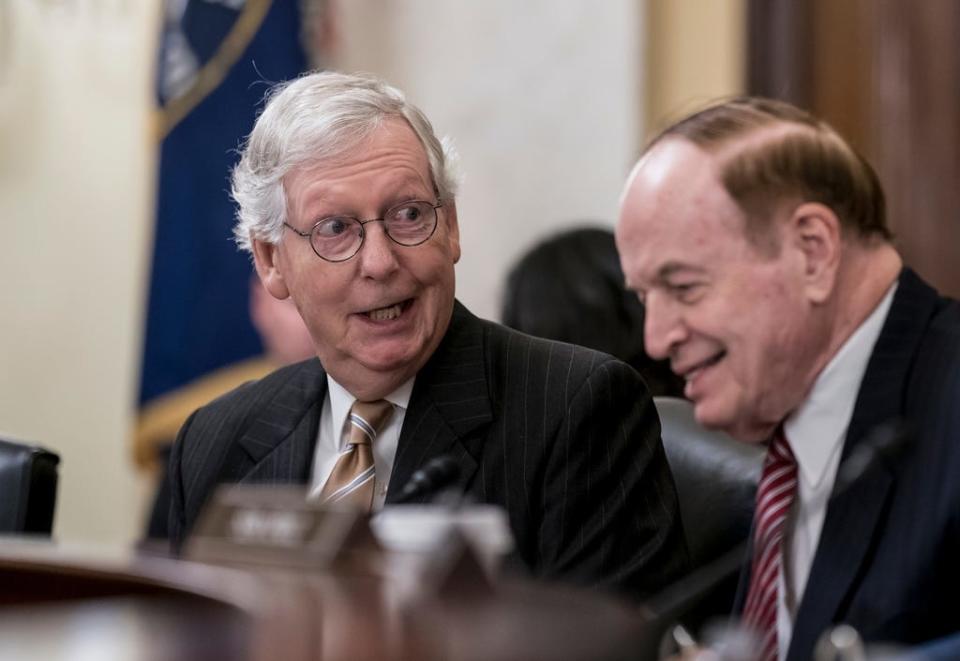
757, 238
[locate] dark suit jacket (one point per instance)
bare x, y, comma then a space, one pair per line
565, 439
888, 560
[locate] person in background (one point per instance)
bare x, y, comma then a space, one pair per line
347, 203
570, 288
285, 340
757, 239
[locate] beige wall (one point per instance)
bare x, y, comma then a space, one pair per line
75, 197
542, 99
696, 51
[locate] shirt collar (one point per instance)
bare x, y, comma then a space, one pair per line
816, 430
341, 400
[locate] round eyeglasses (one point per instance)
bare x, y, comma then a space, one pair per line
338, 238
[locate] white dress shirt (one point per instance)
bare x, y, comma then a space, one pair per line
816, 432
333, 434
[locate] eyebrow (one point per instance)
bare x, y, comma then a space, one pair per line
673, 268
665, 272
406, 194
406, 187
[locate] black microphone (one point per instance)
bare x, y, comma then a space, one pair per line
884, 445
439, 472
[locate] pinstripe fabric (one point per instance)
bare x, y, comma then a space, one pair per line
351, 481
775, 494
564, 438
886, 560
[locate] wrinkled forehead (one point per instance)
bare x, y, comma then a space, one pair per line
340, 145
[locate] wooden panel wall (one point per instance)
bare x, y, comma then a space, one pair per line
886, 74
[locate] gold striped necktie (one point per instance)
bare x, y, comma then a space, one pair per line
352, 480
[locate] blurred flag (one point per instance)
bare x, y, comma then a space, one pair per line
218, 58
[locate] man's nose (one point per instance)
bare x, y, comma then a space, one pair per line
663, 327
378, 257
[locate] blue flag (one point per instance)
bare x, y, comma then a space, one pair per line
218, 59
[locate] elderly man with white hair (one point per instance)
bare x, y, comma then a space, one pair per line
347, 204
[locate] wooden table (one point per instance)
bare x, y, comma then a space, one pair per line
62, 603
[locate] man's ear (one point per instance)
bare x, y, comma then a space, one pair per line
453, 229
267, 258
816, 232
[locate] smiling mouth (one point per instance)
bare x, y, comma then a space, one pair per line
389, 312
691, 373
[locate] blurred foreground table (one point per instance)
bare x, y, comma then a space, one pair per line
61, 603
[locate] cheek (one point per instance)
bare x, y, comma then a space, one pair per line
432, 270
319, 303
453, 248
772, 345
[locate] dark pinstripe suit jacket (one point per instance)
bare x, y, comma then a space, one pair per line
888, 560
564, 438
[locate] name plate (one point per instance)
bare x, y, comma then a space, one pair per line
276, 526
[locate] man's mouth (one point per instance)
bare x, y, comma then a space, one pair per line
690, 373
389, 312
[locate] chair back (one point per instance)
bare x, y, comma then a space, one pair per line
28, 488
716, 480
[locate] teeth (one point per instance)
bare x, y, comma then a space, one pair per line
383, 314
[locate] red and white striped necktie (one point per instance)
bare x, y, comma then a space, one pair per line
775, 494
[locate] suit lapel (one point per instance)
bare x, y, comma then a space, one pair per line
449, 404
853, 516
278, 444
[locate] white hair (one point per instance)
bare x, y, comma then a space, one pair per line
320, 116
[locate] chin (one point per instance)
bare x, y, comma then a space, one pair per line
393, 360
714, 415
386, 365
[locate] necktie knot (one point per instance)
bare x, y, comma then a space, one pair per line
779, 452
352, 479
367, 419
